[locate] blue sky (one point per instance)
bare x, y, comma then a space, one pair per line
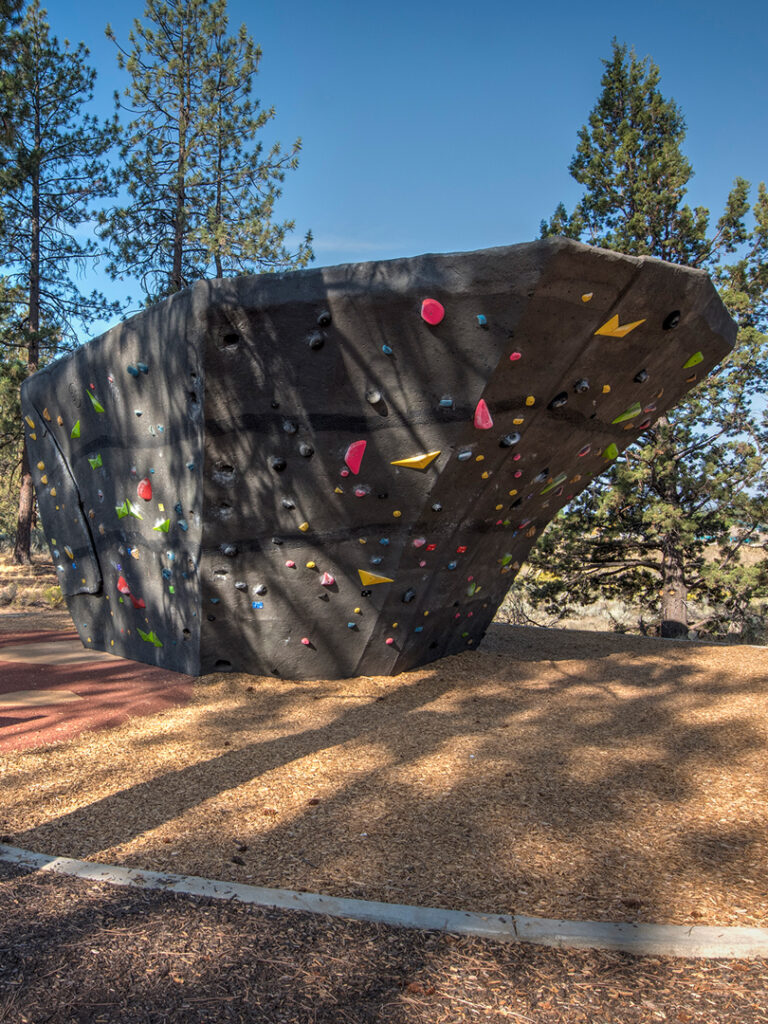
447, 126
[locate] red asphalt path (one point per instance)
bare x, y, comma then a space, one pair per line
112, 691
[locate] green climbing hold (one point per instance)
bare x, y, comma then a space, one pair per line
162, 526
127, 509
506, 559
696, 358
96, 462
150, 637
560, 479
95, 402
611, 452
75, 430
629, 414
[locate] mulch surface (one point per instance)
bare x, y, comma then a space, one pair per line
73, 951
112, 691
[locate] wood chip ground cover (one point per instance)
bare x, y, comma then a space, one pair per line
553, 773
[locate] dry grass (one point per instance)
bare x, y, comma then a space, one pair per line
555, 773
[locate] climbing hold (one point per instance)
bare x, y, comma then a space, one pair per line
452, 565
286, 503
409, 595
461, 549
483, 419
368, 579
586, 296
316, 340
611, 452
373, 396
397, 513
306, 450
351, 625
612, 329
508, 440
481, 320
122, 585
561, 478
133, 370
137, 602
530, 400
304, 527
162, 525
327, 580
290, 564
41, 465
95, 402
290, 426
581, 386
95, 461
464, 456
143, 367
432, 311
694, 360
389, 640
44, 479
671, 320
419, 542
514, 356
128, 509
437, 507
559, 400
416, 461
446, 402
278, 463
641, 377
634, 410
311, 565
338, 490
30, 422
606, 389
305, 641
257, 604
582, 452
75, 432
150, 638
354, 455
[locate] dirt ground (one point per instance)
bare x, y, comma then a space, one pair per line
555, 773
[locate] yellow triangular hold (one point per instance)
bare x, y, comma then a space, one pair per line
417, 461
369, 578
611, 328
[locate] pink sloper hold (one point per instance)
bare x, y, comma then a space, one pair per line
327, 580
483, 418
354, 455
432, 311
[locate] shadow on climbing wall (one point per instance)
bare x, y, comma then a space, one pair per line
337, 472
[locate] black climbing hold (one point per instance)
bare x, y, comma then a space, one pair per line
581, 386
260, 589
542, 476
516, 503
641, 377
278, 463
316, 340
230, 550
324, 320
671, 320
290, 426
365, 593
558, 400
240, 585
306, 450
408, 596
509, 440
275, 404
287, 503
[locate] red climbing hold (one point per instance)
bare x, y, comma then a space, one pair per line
483, 418
354, 455
144, 490
432, 311
122, 586
137, 602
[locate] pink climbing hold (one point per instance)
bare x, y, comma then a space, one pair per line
290, 564
122, 586
432, 311
354, 455
327, 580
514, 356
483, 418
144, 490
305, 641
419, 542
390, 640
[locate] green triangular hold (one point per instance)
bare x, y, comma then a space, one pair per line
127, 509
150, 638
164, 526
611, 452
697, 357
96, 463
95, 402
629, 414
76, 430
122, 510
506, 559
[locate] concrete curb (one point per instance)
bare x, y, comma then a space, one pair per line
641, 939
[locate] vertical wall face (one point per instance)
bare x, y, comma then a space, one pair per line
115, 439
377, 469
374, 452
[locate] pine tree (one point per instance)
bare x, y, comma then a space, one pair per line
53, 172
666, 526
201, 188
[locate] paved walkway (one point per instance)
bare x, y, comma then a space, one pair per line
52, 688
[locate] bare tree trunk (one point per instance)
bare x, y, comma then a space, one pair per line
23, 544
674, 595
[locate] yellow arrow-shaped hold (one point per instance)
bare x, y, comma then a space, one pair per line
417, 461
611, 328
369, 578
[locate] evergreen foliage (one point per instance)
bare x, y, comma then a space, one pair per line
201, 188
666, 527
53, 171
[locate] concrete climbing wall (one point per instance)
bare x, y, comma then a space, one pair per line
339, 471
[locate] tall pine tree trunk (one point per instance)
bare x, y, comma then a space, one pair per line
23, 544
674, 593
